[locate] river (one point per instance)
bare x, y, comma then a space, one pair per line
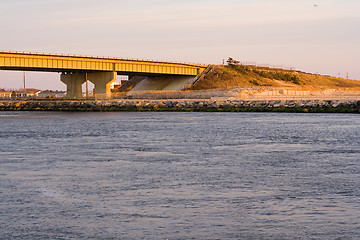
179, 175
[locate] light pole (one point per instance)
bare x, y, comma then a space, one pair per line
87, 92
24, 85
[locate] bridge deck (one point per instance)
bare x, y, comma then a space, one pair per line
65, 63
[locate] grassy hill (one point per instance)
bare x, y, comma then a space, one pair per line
235, 75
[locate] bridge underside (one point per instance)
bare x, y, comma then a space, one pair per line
163, 83
74, 79
103, 80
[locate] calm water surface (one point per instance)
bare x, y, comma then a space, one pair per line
179, 176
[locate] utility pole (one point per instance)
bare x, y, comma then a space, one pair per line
24, 84
87, 92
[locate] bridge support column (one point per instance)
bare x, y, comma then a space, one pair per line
102, 82
73, 83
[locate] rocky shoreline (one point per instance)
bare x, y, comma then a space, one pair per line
216, 105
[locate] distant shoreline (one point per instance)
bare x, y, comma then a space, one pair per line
191, 105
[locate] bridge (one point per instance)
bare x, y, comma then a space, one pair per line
101, 71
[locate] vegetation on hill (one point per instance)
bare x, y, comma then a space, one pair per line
234, 75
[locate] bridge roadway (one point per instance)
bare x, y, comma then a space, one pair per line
76, 70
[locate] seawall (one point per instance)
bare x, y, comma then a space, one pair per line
336, 106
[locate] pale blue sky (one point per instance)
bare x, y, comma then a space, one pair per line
292, 33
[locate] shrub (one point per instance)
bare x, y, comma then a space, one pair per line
278, 76
232, 62
254, 82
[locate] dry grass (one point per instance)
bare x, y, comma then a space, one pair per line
240, 76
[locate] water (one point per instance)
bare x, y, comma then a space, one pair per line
179, 176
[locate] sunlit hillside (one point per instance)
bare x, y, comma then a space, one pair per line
235, 75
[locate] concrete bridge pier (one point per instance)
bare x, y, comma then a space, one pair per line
73, 83
102, 82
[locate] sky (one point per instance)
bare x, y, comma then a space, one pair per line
282, 33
